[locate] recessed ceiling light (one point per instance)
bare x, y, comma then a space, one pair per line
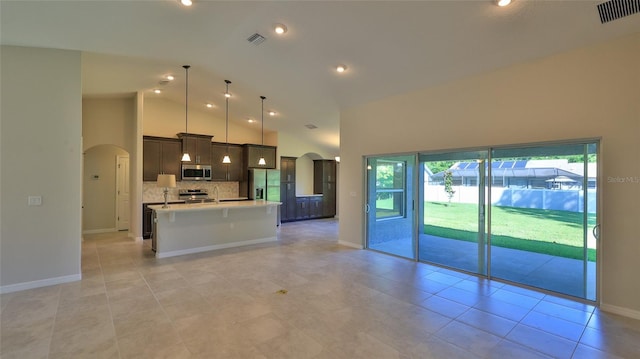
279, 29
209, 105
227, 95
502, 3
157, 91
250, 120
186, 2
341, 68
272, 113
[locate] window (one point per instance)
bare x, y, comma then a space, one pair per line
390, 189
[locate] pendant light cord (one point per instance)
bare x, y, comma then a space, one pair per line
226, 99
262, 120
262, 114
186, 100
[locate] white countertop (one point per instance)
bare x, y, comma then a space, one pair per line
309, 195
183, 207
228, 199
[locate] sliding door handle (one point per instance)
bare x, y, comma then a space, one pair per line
366, 208
596, 231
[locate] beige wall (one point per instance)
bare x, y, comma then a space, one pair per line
304, 175
293, 146
586, 93
114, 121
41, 155
166, 118
99, 188
108, 121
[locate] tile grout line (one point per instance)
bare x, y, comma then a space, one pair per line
173, 325
104, 283
584, 329
53, 325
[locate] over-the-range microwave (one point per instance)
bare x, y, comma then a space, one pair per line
196, 172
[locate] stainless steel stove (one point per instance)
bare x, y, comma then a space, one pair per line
196, 195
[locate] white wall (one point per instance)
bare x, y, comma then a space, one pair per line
41, 155
586, 93
99, 188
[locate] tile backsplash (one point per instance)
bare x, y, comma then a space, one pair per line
152, 193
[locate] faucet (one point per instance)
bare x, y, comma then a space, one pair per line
217, 198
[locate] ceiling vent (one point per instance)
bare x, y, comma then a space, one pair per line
615, 9
256, 39
311, 126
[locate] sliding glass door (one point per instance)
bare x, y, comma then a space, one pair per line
389, 207
452, 219
524, 214
543, 217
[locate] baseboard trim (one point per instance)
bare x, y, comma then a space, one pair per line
10, 288
102, 230
134, 237
214, 247
352, 245
625, 312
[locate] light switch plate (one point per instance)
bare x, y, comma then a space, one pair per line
35, 200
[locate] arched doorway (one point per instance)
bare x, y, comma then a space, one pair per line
105, 190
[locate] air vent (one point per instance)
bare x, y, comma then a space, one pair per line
256, 39
615, 9
311, 126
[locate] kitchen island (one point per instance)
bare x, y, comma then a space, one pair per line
192, 228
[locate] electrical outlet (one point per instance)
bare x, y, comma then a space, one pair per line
34, 200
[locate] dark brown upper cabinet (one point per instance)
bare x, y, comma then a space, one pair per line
226, 172
198, 147
161, 155
252, 154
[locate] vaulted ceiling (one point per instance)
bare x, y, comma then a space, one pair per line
388, 47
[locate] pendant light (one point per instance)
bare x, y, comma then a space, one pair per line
226, 158
261, 161
185, 155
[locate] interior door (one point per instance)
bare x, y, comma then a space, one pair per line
122, 193
390, 209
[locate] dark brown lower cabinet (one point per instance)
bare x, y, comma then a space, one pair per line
288, 199
302, 208
315, 207
147, 218
309, 207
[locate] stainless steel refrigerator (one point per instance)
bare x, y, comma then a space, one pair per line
265, 184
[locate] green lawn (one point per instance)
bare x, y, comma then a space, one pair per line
558, 233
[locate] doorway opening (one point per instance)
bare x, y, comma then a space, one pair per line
105, 190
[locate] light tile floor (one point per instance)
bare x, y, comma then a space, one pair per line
340, 303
